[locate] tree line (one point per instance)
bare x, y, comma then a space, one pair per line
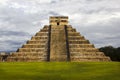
112, 52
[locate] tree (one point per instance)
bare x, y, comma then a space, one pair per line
113, 53
118, 53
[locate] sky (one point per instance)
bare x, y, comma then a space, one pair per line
97, 20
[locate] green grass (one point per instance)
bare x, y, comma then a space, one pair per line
60, 71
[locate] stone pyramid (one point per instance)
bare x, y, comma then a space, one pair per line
58, 42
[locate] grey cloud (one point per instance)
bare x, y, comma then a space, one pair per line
11, 42
104, 34
53, 13
25, 17
99, 10
13, 33
54, 1
11, 45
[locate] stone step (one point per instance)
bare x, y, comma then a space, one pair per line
83, 50
55, 30
101, 53
81, 46
33, 55
44, 30
46, 27
76, 38
28, 59
71, 30
83, 56
41, 34
35, 42
34, 45
28, 54
90, 59
69, 26
39, 37
79, 42
87, 54
73, 34
31, 49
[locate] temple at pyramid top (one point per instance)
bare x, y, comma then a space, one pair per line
58, 20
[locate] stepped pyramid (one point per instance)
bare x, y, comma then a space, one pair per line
58, 42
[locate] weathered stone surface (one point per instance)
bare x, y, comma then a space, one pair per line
57, 42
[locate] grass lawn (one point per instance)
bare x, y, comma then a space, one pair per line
60, 71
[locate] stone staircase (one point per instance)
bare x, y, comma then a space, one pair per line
58, 44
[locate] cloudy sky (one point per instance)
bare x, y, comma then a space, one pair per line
97, 20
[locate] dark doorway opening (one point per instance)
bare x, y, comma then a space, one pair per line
4, 58
58, 23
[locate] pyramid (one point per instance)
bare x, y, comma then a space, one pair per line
58, 41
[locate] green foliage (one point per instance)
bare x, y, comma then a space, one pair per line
113, 53
60, 71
